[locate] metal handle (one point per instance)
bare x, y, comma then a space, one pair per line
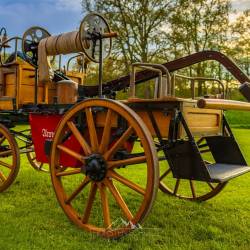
110, 35
159, 88
72, 58
2, 47
193, 79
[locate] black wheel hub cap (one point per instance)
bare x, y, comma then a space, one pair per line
96, 167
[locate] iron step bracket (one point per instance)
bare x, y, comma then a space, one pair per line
225, 150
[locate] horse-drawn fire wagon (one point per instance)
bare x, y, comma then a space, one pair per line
107, 157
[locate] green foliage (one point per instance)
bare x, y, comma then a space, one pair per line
238, 43
198, 25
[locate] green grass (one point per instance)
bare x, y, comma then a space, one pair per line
30, 218
238, 119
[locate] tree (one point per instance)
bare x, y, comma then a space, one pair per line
238, 45
198, 25
140, 25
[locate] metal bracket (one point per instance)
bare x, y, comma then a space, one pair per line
162, 86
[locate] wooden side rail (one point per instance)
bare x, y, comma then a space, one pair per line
223, 104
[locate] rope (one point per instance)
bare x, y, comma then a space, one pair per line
65, 43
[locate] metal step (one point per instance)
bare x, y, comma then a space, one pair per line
220, 172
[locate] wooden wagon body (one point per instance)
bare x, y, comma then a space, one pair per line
17, 86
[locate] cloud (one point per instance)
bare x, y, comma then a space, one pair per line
74, 5
241, 4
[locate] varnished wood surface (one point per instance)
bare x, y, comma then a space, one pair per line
18, 81
223, 104
162, 99
202, 122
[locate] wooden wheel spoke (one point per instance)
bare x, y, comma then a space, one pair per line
105, 206
119, 199
2, 139
6, 153
125, 162
7, 165
210, 185
119, 143
200, 140
2, 177
106, 132
196, 192
41, 165
71, 153
176, 186
89, 204
79, 137
78, 190
192, 188
163, 185
71, 172
165, 174
127, 182
92, 129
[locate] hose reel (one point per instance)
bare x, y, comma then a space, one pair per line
93, 28
30, 41
93, 38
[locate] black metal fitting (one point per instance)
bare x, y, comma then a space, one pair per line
95, 167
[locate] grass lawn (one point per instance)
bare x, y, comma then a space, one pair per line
238, 119
30, 218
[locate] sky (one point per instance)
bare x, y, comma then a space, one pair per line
56, 16
241, 5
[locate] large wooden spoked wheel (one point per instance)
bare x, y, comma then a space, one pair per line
9, 158
113, 188
187, 189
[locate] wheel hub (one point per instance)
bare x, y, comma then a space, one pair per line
96, 167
